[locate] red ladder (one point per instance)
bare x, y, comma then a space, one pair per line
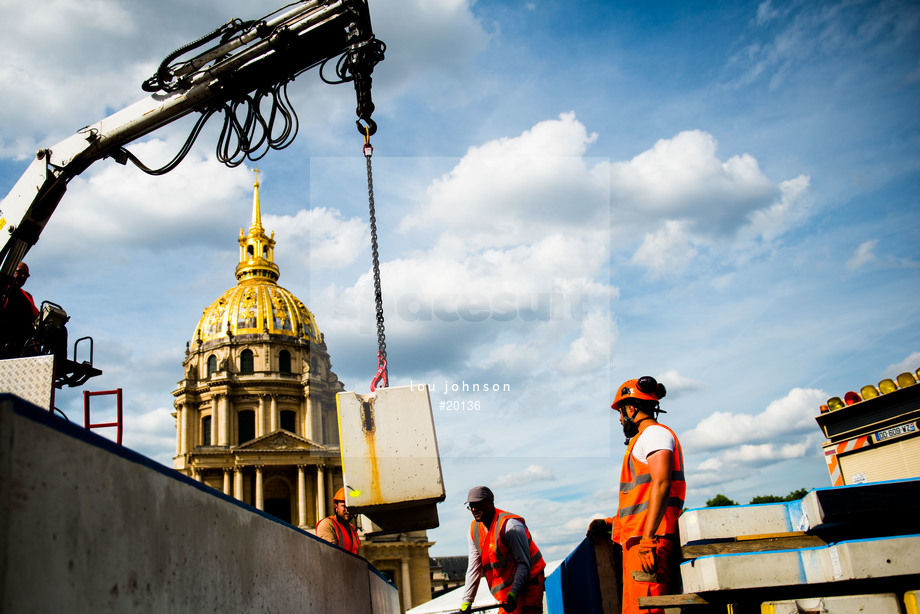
118, 422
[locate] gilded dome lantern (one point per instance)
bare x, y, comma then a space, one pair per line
257, 304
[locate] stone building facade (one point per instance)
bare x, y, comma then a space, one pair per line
256, 415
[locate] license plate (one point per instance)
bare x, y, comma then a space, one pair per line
896, 431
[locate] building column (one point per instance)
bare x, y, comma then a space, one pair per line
223, 409
406, 584
316, 419
215, 421
275, 416
192, 427
238, 483
260, 495
181, 445
301, 496
197, 475
260, 417
306, 426
227, 483
320, 492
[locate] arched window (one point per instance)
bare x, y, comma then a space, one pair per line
206, 431
246, 362
246, 425
284, 361
289, 421
212, 364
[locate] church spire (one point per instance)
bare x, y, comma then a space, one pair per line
256, 207
257, 250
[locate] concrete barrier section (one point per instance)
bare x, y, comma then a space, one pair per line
856, 506
849, 560
89, 526
886, 603
722, 523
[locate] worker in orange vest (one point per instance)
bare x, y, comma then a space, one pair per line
17, 315
500, 546
652, 491
337, 529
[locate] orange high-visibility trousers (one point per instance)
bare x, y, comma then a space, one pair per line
633, 589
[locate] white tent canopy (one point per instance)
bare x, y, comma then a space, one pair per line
450, 601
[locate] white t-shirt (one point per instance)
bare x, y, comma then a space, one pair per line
652, 439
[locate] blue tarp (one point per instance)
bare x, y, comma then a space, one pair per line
574, 586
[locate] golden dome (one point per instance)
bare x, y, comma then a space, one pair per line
257, 304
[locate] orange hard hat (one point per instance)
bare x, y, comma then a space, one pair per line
645, 388
339, 495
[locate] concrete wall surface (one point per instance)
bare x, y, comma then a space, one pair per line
89, 526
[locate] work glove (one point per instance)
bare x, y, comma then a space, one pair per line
465, 606
648, 554
598, 528
510, 604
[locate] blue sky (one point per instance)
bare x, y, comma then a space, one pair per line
722, 195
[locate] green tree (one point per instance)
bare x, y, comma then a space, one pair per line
795, 495
720, 500
767, 499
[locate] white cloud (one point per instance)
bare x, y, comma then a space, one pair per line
677, 384
863, 255
437, 42
533, 473
686, 203
910, 364
504, 191
783, 214
766, 452
592, 349
517, 245
319, 238
681, 178
117, 205
152, 433
766, 13
669, 250
790, 415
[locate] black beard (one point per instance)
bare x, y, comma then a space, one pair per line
630, 429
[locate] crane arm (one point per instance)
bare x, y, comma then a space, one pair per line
248, 57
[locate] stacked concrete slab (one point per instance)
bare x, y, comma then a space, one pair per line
886, 603
855, 560
857, 537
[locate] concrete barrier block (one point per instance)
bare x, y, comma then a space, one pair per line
88, 526
722, 523
854, 560
885, 603
848, 508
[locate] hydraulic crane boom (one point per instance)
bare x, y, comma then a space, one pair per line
247, 63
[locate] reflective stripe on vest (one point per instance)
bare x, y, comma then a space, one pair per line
635, 485
497, 561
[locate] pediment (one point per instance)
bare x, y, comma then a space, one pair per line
280, 441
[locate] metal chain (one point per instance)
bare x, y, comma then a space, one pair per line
381, 379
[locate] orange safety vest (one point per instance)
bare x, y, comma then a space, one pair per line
635, 485
345, 535
497, 562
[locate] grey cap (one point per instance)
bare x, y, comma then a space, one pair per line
479, 493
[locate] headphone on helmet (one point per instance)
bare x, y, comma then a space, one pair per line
649, 385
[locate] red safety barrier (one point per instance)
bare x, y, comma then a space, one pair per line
118, 422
